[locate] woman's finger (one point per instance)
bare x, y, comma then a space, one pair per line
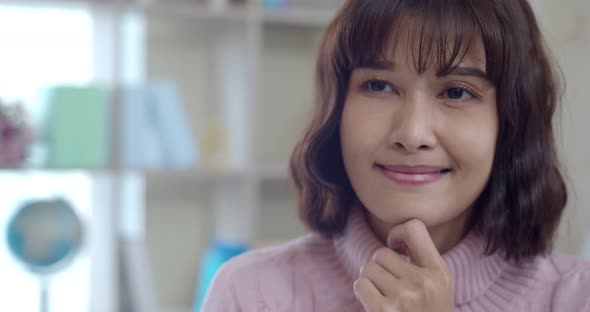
384, 281
368, 294
415, 236
395, 264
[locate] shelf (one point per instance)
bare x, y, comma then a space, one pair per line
269, 172
180, 210
174, 8
114, 4
189, 10
299, 17
199, 174
176, 310
269, 16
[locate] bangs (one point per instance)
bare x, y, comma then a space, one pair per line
435, 33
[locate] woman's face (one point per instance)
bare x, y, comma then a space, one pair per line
418, 146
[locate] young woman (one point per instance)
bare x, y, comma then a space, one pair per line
428, 174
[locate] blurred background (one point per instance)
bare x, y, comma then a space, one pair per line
145, 142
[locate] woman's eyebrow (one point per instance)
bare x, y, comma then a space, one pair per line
466, 71
458, 71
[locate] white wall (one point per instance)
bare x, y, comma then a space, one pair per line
566, 25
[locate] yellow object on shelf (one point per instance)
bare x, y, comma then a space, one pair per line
215, 147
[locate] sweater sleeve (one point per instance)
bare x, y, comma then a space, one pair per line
256, 281
573, 292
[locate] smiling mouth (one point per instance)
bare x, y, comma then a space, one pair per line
414, 169
413, 175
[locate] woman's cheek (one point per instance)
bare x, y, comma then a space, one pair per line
472, 144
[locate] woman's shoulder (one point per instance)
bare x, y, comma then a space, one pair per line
569, 266
252, 279
282, 257
571, 291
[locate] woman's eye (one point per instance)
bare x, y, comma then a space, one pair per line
377, 85
458, 93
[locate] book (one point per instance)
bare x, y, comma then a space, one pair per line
140, 147
156, 132
172, 126
77, 127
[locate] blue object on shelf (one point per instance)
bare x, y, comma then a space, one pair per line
219, 252
276, 3
156, 132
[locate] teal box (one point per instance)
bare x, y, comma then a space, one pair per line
219, 253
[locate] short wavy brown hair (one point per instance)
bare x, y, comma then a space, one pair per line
519, 209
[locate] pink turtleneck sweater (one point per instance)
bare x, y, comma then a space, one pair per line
314, 274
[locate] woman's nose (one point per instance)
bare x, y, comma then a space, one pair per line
412, 126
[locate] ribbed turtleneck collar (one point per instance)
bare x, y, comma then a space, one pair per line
473, 271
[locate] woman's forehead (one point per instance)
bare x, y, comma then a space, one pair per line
414, 38
409, 51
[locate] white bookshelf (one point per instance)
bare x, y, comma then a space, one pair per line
252, 67
278, 52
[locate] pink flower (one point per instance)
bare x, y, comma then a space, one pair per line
15, 136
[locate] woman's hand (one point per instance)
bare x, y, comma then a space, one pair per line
390, 283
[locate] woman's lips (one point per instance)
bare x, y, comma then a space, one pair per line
413, 175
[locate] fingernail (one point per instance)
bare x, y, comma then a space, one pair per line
355, 287
394, 239
406, 258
